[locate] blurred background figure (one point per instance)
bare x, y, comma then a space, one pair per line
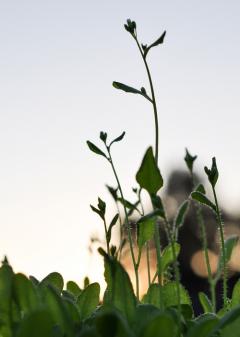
191, 258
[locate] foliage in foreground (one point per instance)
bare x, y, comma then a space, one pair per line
32, 308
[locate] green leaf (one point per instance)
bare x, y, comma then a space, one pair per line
229, 325
169, 295
212, 173
202, 199
118, 139
95, 149
158, 206
162, 325
95, 210
189, 159
119, 293
101, 206
54, 279
160, 40
230, 243
112, 224
73, 288
37, 324
86, 282
131, 90
236, 295
200, 188
57, 309
111, 323
113, 192
148, 175
88, 300
181, 214
6, 282
167, 255
203, 326
146, 229
205, 302
25, 294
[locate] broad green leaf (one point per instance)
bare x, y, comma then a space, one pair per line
37, 324
153, 296
229, 325
169, 295
198, 196
203, 326
118, 139
73, 311
144, 314
73, 288
95, 149
205, 302
129, 89
181, 214
146, 229
236, 295
55, 304
167, 255
111, 323
54, 279
6, 285
119, 293
25, 294
189, 160
112, 224
162, 325
148, 175
212, 173
88, 300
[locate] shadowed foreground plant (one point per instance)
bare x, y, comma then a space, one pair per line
51, 308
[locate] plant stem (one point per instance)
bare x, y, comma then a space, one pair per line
175, 266
153, 100
127, 222
221, 230
105, 228
205, 248
148, 264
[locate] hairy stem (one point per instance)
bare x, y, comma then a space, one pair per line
127, 223
221, 230
153, 100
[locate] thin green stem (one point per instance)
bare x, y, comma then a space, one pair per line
221, 230
205, 248
148, 264
105, 228
153, 100
127, 223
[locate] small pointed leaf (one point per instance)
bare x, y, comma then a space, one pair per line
118, 139
148, 175
181, 214
198, 196
95, 149
205, 302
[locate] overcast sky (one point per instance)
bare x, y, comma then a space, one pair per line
57, 62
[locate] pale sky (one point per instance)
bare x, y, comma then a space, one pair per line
57, 62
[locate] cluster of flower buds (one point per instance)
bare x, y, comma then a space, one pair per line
130, 27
